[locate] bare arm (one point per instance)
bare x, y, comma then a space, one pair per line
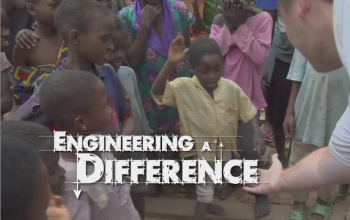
293, 96
20, 56
137, 50
128, 126
198, 25
6, 95
158, 86
320, 169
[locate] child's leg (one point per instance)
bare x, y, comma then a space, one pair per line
246, 146
224, 191
278, 97
205, 196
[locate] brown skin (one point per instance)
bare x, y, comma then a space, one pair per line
107, 3
10, 5
6, 95
152, 16
198, 25
48, 41
55, 171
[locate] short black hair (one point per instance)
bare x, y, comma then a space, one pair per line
30, 132
120, 25
66, 94
201, 47
19, 166
77, 14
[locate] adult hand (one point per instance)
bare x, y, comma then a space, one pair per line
288, 125
149, 14
269, 181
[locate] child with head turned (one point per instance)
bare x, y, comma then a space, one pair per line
87, 27
35, 62
208, 105
6, 96
25, 191
38, 136
85, 112
128, 79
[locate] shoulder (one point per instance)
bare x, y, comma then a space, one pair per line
219, 20
181, 82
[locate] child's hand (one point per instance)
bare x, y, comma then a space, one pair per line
242, 12
228, 12
259, 143
288, 125
176, 54
26, 39
57, 210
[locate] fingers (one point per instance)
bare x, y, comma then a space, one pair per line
184, 52
26, 39
275, 159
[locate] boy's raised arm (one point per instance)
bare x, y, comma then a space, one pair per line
158, 87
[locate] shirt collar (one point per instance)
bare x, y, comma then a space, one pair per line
98, 70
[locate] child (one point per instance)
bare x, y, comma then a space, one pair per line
87, 53
6, 96
24, 181
310, 121
38, 136
85, 112
221, 102
244, 37
153, 25
128, 79
31, 64
18, 18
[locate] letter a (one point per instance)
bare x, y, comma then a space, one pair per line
206, 147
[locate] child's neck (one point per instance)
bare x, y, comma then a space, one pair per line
47, 31
76, 62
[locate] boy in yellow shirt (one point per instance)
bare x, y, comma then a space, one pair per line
209, 107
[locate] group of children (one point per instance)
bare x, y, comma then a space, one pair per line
71, 73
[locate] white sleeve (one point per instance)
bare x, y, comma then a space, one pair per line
298, 67
339, 144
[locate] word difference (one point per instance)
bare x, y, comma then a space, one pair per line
107, 143
164, 171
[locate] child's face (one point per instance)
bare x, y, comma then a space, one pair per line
119, 40
208, 71
40, 197
55, 171
98, 117
44, 11
5, 32
96, 44
106, 3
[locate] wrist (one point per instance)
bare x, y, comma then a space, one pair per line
145, 24
290, 111
170, 64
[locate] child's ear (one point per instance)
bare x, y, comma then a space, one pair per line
74, 36
31, 9
80, 123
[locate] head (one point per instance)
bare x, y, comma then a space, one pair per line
24, 181
120, 41
40, 138
107, 3
5, 32
205, 61
87, 27
76, 101
309, 25
43, 11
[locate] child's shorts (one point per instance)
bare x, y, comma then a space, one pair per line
278, 94
141, 187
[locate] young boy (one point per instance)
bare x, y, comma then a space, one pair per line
128, 79
209, 107
31, 64
38, 137
244, 37
310, 121
85, 112
24, 181
88, 51
6, 96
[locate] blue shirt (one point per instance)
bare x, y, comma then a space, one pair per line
267, 4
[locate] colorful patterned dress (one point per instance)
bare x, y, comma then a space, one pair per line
162, 119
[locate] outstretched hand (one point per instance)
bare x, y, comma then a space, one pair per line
269, 181
56, 209
176, 53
